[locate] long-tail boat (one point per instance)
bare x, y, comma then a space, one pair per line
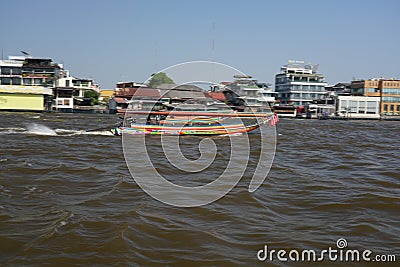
192, 122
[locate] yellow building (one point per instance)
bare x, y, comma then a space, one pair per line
390, 97
29, 98
106, 94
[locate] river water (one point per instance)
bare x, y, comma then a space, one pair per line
67, 197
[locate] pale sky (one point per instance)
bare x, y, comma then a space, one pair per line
112, 41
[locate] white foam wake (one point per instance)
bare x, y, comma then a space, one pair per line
39, 129
66, 132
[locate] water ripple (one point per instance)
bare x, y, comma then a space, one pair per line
69, 199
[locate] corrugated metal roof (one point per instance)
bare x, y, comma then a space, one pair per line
10, 63
178, 94
147, 92
182, 87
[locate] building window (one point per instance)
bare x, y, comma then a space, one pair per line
6, 81
361, 107
344, 104
16, 71
16, 81
27, 81
393, 91
371, 107
391, 107
385, 107
5, 71
392, 99
353, 106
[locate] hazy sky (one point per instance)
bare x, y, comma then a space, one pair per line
113, 41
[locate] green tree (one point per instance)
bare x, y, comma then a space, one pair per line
159, 78
93, 95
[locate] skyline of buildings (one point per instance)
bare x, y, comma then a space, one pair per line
297, 84
31, 83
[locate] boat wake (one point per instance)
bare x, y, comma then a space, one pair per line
40, 129
65, 132
234, 134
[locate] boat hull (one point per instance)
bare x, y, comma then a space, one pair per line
158, 130
196, 126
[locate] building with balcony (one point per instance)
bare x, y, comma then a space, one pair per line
26, 83
11, 72
19, 73
29, 71
338, 89
71, 93
244, 93
299, 84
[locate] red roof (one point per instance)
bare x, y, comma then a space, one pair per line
125, 92
147, 92
138, 92
216, 95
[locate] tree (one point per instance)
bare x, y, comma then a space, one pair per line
159, 78
93, 95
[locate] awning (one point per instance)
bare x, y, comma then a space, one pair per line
25, 89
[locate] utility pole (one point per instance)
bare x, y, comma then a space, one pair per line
213, 53
213, 42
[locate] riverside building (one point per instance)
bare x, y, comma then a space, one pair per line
70, 94
299, 84
390, 97
38, 84
358, 107
29, 71
26, 82
246, 93
387, 90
